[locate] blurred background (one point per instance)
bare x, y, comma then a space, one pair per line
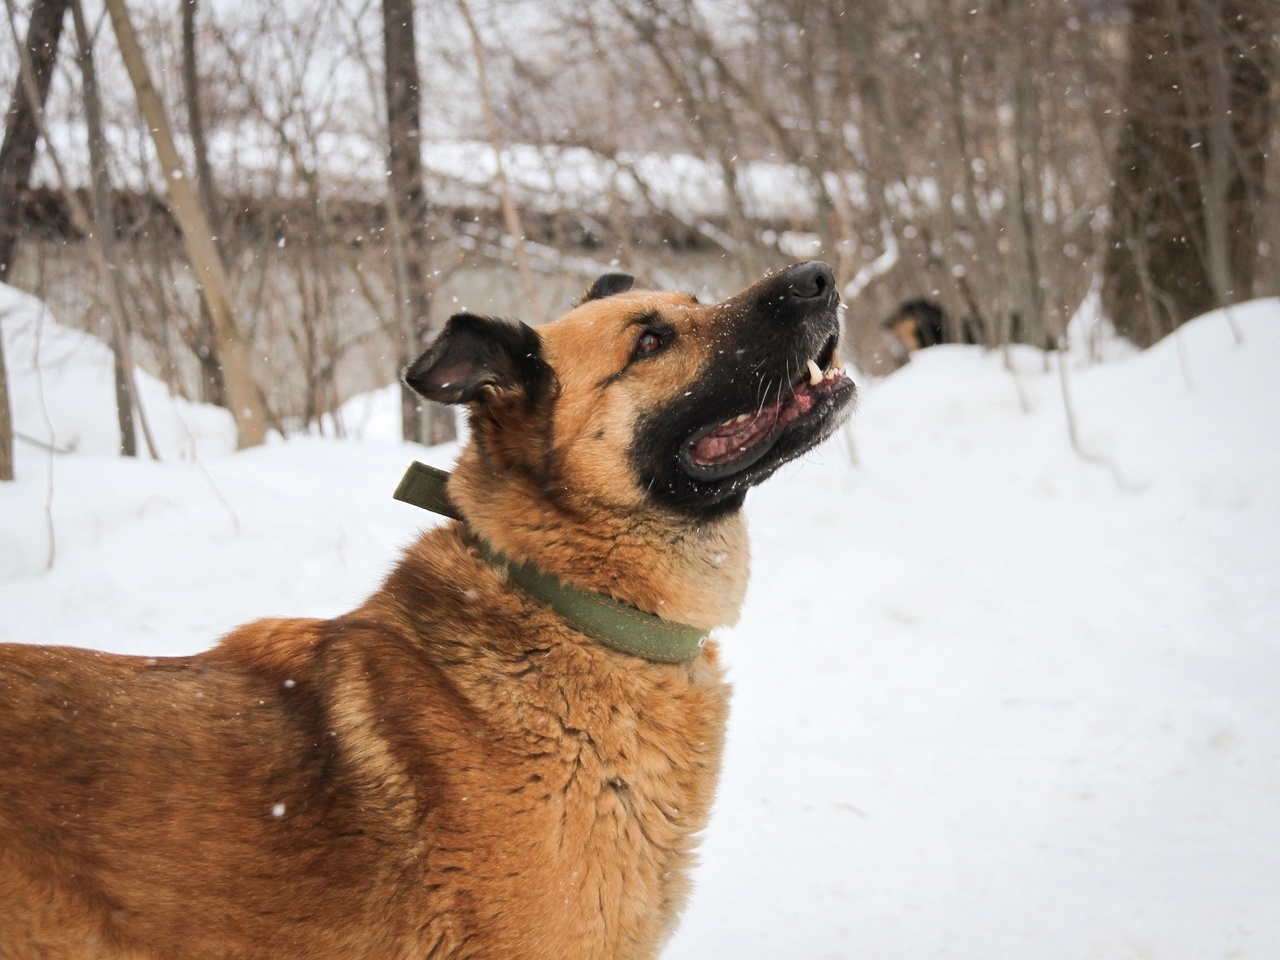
973, 171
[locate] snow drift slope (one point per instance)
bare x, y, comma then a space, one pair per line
62, 388
992, 703
992, 700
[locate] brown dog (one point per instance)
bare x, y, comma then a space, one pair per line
457, 768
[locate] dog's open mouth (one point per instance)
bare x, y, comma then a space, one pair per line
721, 449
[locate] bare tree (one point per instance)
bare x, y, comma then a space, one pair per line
18, 152
213, 388
409, 212
101, 246
17, 156
245, 399
104, 227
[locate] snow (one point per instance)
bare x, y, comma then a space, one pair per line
62, 389
465, 172
992, 698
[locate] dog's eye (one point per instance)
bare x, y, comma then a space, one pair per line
650, 342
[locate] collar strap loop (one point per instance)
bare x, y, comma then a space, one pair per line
617, 625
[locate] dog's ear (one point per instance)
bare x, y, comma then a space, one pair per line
478, 358
607, 286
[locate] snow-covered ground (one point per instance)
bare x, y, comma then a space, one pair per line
993, 699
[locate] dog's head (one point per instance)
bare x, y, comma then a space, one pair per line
637, 396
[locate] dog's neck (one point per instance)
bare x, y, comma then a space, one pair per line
655, 561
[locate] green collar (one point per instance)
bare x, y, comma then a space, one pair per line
617, 625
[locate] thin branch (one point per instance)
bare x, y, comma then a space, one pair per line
509, 211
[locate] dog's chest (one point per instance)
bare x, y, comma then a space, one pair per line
616, 777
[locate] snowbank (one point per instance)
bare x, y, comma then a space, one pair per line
995, 700
62, 391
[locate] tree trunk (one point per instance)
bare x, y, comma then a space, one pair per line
105, 226
246, 402
409, 199
18, 153
1190, 164
213, 389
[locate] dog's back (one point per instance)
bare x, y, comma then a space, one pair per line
140, 798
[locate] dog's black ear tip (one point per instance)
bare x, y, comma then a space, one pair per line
467, 320
474, 357
427, 380
608, 285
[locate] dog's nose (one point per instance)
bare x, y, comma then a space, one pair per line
809, 281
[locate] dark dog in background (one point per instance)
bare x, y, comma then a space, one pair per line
921, 323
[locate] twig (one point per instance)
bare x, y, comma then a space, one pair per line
217, 491
35, 442
1086, 455
213, 484
1235, 327
48, 424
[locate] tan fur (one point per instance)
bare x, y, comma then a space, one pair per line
659, 562
450, 770
907, 330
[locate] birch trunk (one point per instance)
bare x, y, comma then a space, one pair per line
243, 397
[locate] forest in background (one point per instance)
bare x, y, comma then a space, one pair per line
342, 174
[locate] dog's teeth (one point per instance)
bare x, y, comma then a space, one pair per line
815, 374
835, 361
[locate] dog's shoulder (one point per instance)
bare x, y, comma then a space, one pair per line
280, 649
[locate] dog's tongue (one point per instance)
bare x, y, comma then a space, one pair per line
735, 437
